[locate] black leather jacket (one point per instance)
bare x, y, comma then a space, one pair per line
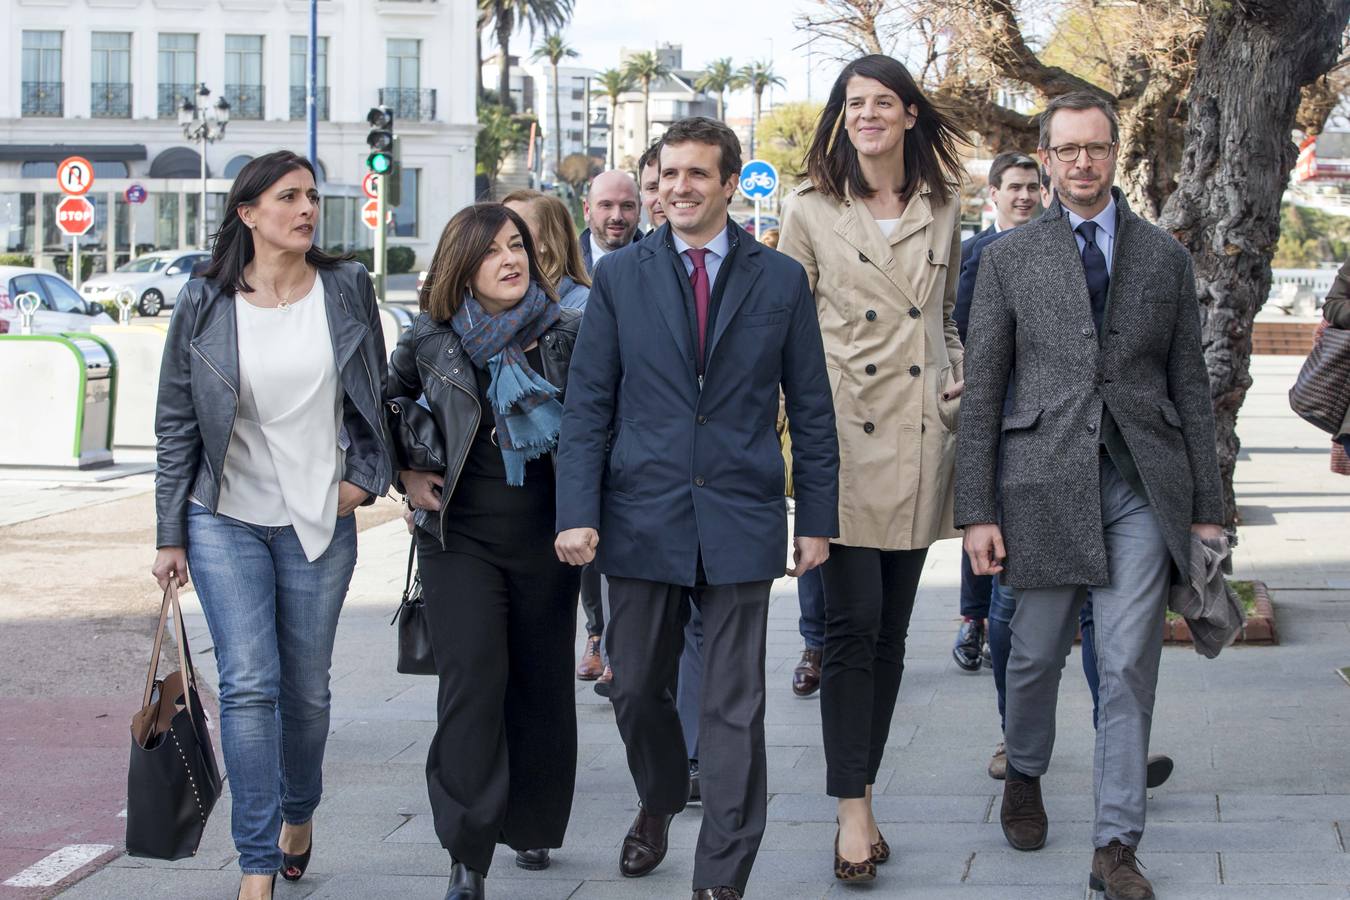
429, 359
199, 394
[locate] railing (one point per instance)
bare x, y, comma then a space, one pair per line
299, 96
43, 98
110, 100
416, 104
246, 100
171, 97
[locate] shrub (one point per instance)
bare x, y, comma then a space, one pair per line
16, 259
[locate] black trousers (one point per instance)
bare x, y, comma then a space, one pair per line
869, 596
645, 634
502, 764
591, 601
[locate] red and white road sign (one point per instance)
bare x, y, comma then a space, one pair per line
370, 214
75, 175
371, 185
74, 215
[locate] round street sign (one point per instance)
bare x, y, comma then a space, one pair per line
75, 175
759, 179
370, 214
75, 215
371, 185
135, 194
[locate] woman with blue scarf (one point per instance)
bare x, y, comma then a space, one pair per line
490, 351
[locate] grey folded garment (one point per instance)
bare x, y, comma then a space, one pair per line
1206, 601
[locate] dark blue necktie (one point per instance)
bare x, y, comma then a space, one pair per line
1094, 267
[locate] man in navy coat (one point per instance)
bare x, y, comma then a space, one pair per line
670, 477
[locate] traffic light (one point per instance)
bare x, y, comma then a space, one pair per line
392, 182
380, 139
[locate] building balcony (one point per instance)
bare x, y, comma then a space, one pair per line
299, 96
246, 100
171, 97
414, 104
110, 100
43, 98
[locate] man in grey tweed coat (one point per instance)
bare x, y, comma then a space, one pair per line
1108, 466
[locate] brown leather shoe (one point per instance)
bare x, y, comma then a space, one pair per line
1023, 814
591, 665
1115, 872
604, 682
645, 844
998, 763
806, 677
717, 893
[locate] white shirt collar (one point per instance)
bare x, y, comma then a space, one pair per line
718, 246
1106, 219
596, 250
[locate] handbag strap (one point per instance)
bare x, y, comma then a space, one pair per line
189, 676
408, 579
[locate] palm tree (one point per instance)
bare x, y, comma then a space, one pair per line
615, 83
758, 76
555, 49
644, 68
508, 15
718, 78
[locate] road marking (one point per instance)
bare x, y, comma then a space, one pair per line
49, 870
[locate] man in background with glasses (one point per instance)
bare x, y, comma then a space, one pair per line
1108, 466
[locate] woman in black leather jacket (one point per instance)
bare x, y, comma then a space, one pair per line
490, 352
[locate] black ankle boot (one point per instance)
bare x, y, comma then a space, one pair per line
465, 884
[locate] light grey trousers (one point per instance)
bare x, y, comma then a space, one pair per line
1128, 621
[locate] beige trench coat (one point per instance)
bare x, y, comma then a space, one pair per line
891, 347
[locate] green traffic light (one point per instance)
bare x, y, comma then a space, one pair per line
379, 163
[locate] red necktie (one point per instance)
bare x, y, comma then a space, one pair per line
698, 279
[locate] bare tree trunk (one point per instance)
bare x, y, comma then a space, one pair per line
1255, 58
754, 122
557, 124
646, 114
721, 106
478, 42
505, 25
613, 127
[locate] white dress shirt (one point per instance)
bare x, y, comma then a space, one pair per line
1106, 230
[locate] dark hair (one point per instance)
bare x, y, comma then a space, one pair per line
1078, 100
232, 244
651, 155
1045, 179
930, 149
703, 130
1010, 160
459, 253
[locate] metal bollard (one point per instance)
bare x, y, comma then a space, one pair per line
28, 303
125, 300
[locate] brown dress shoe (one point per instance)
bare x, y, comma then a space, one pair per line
604, 682
591, 665
717, 893
998, 763
645, 844
806, 677
1023, 814
1115, 872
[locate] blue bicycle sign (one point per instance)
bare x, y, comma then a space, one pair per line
759, 179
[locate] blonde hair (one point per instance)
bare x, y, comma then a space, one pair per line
557, 243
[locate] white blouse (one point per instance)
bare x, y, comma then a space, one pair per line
284, 461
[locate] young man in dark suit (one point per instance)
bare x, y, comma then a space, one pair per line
688, 338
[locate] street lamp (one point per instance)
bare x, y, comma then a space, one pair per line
205, 125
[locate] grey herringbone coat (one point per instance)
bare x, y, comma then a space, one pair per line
1031, 321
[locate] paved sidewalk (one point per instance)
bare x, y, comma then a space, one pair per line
1258, 808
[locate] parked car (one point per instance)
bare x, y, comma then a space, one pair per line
766, 222
154, 279
61, 308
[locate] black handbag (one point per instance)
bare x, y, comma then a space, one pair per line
417, 440
414, 636
172, 780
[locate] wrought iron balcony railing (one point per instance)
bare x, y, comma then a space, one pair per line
415, 104
246, 100
299, 93
171, 97
110, 100
43, 98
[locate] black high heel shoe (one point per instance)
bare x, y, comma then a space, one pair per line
465, 883
293, 865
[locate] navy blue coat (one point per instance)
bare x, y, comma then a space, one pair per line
585, 239
971, 249
693, 471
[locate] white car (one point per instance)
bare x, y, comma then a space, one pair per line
60, 307
154, 279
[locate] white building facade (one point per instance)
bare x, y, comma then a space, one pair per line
104, 79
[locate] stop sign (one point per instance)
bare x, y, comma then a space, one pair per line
75, 215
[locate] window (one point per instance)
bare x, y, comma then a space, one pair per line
177, 72
403, 64
45, 169
405, 214
110, 75
243, 75
42, 87
61, 297
25, 284
300, 77
576, 115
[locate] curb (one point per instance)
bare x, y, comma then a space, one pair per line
1258, 629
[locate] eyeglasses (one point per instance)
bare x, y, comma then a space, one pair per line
1069, 152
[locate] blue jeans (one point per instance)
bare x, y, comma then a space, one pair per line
811, 600
273, 616
977, 591
1002, 605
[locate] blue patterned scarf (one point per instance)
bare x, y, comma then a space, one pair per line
524, 405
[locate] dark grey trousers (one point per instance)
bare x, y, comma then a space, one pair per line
646, 636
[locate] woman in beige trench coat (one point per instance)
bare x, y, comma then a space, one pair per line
877, 229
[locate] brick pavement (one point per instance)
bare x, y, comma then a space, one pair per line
1258, 806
